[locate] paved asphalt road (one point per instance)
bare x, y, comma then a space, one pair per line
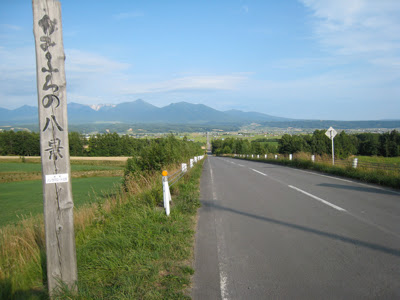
272, 232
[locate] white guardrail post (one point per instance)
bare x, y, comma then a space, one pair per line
184, 168
355, 162
313, 158
290, 156
191, 163
166, 192
174, 178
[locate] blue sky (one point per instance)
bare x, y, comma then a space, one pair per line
306, 59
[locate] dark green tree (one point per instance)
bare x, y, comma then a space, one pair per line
75, 144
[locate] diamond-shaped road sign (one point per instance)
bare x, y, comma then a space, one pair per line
331, 133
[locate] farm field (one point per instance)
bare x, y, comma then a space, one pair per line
202, 138
24, 198
380, 159
21, 186
12, 170
37, 167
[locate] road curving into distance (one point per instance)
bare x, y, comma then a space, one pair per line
267, 231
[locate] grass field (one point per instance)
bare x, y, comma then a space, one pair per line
15, 170
380, 159
201, 137
21, 185
23, 198
36, 167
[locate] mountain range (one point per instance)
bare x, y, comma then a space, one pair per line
140, 111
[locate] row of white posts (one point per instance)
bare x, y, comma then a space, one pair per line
174, 178
355, 160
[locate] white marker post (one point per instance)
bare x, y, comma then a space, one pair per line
355, 162
184, 167
331, 133
166, 192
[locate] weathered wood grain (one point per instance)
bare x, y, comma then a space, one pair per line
54, 147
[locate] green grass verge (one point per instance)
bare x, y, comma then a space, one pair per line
136, 251
376, 177
25, 198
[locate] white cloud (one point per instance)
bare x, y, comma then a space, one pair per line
212, 82
17, 62
89, 62
392, 62
87, 74
353, 27
82, 99
17, 77
334, 95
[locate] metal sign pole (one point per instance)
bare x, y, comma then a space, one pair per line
331, 133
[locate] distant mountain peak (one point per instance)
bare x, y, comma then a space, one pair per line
140, 111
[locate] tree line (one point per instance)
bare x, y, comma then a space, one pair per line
242, 146
23, 143
158, 153
385, 144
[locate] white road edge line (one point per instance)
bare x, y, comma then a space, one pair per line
259, 172
212, 184
317, 198
240, 165
221, 247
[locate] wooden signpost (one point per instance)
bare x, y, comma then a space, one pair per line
54, 147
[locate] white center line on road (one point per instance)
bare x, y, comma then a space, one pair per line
259, 172
317, 198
